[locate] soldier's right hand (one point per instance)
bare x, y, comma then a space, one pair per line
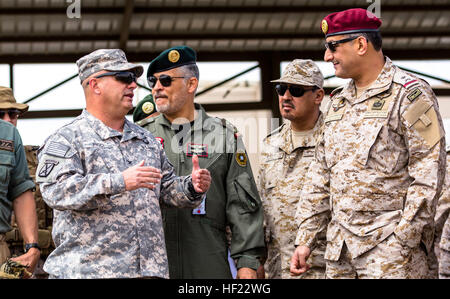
298, 261
140, 176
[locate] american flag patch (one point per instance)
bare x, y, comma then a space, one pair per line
57, 149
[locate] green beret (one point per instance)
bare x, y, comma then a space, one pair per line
144, 108
172, 58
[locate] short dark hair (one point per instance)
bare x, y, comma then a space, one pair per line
373, 37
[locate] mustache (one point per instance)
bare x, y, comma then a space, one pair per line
287, 104
160, 95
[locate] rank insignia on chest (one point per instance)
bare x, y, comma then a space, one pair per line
161, 140
47, 168
378, 104
200, 150
241, 158
338, 105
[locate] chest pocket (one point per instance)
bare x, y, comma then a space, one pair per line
6, 166
379, 146
101, 157
273, 171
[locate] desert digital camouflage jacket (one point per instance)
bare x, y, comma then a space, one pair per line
379, 166
100, 229
280, 181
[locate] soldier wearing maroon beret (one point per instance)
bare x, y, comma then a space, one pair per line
379, 163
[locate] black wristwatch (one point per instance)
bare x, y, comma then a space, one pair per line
28, 246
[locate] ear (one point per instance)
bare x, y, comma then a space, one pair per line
362, 45
94, 86
192, 84
319, 96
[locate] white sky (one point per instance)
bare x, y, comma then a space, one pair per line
31, 79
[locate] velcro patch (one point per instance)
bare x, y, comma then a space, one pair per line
414, 94
47, 168
200, 150
57, 149
7, 145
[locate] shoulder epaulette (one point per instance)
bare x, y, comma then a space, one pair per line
145, 121
336, 91
277, 130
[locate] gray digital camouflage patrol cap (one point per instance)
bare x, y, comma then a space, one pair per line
105, 59
302, 72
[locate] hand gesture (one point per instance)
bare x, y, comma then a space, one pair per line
140, 176
201, 178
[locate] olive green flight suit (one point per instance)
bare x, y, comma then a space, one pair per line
196, 239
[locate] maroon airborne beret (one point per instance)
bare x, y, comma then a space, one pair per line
350, 21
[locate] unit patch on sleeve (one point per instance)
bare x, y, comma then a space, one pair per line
241, 158
7, 145
47, 168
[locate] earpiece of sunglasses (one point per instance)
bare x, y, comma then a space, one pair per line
295, 91
165, 80
124, 77
332, 45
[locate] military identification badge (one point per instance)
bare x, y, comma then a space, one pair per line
338, 105
241, 158
324, 26
173, 56
147, 108
201, 209
47, 168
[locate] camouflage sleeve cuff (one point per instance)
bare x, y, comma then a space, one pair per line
246, 261
408, 234
117, 183
303, 240
191, 190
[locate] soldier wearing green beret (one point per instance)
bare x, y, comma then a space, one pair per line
196, 239
145, 108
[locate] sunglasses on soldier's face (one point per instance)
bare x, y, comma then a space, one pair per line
165, 80
13, 113
124, 77
295, 91
333, 44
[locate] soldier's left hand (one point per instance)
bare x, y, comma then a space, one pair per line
201, 178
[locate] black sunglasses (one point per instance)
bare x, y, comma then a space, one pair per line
13, 113
124, 77
332, 45
295, 91
165, 80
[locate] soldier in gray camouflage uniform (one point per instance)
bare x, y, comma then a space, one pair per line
379, 164
286, 155
105, 178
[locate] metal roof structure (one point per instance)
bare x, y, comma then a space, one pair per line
267, 31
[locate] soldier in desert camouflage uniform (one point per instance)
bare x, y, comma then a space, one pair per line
379, 164
286, 155
105, 178
442, 220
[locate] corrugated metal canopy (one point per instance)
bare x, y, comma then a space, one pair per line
41, 31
